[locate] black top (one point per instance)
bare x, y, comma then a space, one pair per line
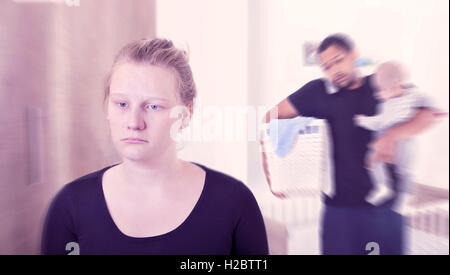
352, 182
225, 220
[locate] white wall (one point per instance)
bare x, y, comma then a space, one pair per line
216, 32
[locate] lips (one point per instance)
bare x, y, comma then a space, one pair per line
134, 140
339, 78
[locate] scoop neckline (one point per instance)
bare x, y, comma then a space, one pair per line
156, 237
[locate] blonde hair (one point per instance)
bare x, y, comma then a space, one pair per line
392, 73
158, 52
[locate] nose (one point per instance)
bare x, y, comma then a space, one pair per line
136, 121
334, 71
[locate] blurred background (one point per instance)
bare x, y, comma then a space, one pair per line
54, 56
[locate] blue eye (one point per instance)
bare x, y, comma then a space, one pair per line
122, 104
154, 107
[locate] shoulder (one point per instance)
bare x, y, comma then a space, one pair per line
368, 88
225, 186
219, 179
79, 187
86, 181
369, 78
312, 90
315, 85
369, 81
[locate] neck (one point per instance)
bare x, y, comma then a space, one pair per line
154, 173
356, 83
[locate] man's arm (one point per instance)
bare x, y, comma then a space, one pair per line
306, 101
282, 110
384, 146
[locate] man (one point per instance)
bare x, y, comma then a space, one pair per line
350, 224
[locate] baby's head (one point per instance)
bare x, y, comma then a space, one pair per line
390, 78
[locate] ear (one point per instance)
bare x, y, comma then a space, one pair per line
190, 108
186, 116
355, 54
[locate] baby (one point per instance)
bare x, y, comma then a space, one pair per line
399, 101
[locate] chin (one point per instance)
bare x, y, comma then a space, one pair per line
134, 153
134, 157
340, 85
348, 83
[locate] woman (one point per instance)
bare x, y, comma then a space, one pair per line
152, 202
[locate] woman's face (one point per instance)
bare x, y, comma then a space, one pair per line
139, 106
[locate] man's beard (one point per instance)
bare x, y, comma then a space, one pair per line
347, 86
350, 83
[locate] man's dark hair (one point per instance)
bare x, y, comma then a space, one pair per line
338, 39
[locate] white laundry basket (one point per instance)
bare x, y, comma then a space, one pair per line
306, 169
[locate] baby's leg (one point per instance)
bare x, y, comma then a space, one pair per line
380, 179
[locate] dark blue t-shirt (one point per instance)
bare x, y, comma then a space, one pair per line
225, 220
352, 182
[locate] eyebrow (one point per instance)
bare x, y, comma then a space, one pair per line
150, 98
332, 59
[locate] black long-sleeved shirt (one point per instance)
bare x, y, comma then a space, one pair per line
225, 220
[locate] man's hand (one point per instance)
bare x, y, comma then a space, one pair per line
383, 149
266, 166
384, 146
264, 157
